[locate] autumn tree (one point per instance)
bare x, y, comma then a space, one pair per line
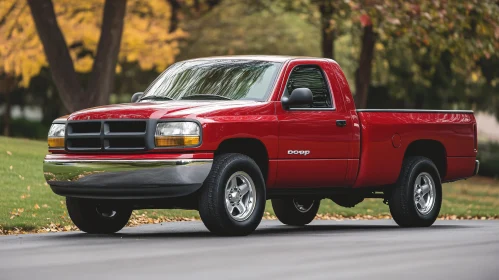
182, 9
84, 42
461, 32
101, 81
242, 28
325, 14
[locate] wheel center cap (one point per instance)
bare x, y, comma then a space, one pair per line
234, 196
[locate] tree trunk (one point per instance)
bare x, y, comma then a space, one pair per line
175, 6
57, 53
363, 73
101, 81
327, 30
7, 85
6, 115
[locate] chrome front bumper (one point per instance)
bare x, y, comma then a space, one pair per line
121, 179
477, 167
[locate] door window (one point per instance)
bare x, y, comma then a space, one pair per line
311, 77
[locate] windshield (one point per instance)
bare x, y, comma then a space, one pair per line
214, 79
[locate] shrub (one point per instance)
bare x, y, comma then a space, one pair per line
28, 129
488, 154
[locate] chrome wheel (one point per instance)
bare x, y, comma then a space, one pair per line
303, 206
240, 196
424, 193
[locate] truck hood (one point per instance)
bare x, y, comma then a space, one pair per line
169, 109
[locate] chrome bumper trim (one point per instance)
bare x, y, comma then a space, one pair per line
477, 167
115, 178
166, 161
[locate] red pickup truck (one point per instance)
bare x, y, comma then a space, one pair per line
222, 135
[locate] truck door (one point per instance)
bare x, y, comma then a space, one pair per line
314, 142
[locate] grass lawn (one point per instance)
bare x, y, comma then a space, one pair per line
27, 203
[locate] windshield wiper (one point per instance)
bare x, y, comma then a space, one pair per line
155, 97
206, 96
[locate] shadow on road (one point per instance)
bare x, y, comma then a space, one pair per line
275, 230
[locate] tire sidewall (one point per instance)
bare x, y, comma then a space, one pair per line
83, 213
428, 167
287, 213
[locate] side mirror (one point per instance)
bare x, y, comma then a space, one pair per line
299, 96
136, 96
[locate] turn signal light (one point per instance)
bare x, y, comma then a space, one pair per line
176, 141
56, 142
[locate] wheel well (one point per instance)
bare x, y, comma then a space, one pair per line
431, 149
251, 147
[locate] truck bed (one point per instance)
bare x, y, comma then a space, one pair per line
387, 135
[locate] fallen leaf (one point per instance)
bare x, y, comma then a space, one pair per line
16, 213
36, 206
9, 153
29, 188
11, 167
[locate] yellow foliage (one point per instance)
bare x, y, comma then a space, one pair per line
84, 64
379, 46
145, 39
475, 76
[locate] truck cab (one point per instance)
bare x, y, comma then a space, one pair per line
222, 135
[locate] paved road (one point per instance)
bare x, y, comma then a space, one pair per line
323, 250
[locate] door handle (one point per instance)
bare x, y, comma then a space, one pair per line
341, 123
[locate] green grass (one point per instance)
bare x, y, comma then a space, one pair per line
26, 201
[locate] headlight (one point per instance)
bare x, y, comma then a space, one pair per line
56, 135
172, 134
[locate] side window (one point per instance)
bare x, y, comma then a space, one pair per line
311, 77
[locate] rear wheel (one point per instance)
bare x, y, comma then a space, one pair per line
232, 199
295, 212
416, 199
93, 216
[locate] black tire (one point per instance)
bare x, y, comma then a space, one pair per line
89, 216
212, 201
402, 199
299, 214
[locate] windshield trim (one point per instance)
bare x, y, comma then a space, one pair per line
265, 97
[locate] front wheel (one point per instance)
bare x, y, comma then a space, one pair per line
232, 199
93, 216
295, 212
416, 199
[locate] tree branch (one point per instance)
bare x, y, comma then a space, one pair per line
4, 17
9, 33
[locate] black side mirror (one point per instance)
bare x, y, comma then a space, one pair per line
299, 96
136, 96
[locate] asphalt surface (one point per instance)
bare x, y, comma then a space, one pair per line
323, 250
